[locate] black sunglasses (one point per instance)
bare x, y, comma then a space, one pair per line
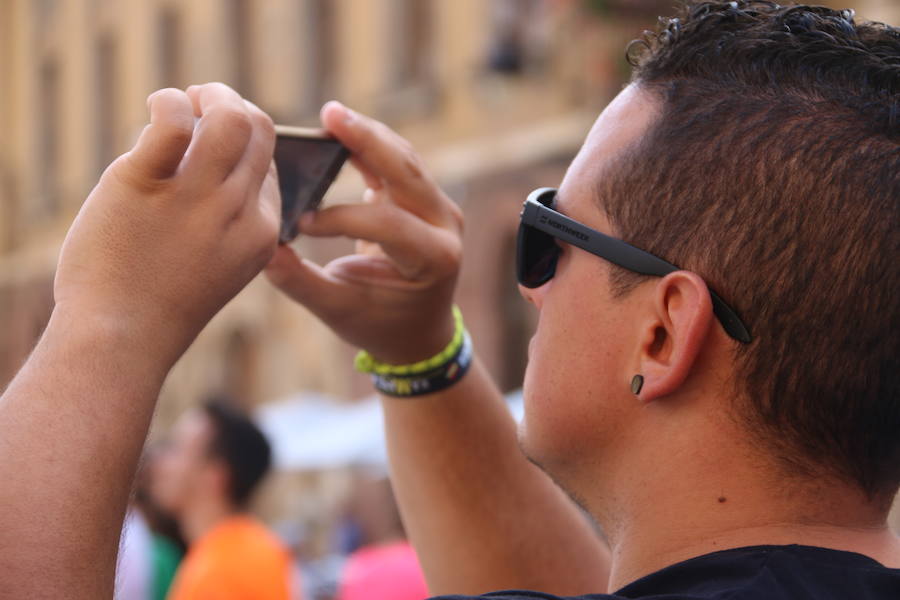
537, 253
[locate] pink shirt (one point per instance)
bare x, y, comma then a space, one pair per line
389, 572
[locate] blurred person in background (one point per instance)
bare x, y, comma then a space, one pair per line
151, 546
734, 446
205, 476
385, 565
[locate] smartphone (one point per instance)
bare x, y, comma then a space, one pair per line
308, 160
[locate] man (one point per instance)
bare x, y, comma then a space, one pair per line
205, 476
740, 444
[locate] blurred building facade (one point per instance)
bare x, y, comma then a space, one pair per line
497, 95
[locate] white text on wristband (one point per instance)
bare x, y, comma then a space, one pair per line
439, 378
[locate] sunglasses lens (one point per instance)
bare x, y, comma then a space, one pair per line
536, 254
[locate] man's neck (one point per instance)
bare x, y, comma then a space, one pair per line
200, 517
697, 506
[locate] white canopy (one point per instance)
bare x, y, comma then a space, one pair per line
315, 432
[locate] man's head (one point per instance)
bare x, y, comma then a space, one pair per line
758, 147
215, 453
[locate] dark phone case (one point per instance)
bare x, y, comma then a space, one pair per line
290, 214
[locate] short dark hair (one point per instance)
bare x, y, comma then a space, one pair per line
239, 443
773, 171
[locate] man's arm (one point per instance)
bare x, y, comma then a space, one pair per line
73, 422
173, 230
480, 515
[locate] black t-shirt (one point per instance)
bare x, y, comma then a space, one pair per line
754, 573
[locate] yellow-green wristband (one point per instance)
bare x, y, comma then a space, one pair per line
366, 363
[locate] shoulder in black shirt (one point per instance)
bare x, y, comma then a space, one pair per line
753, 573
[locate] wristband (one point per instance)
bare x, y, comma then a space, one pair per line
435, 380
366, 363
426, 376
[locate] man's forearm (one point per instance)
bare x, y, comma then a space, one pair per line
164, 240
480, 515
73, 423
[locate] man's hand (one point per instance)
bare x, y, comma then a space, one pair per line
173, 230
480, 515
393, 297
178, 225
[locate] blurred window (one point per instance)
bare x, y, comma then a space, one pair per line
48, 141
414, 48
10, 209
106, 105
321, 51
9, 199
642, 8
518, 38
25, 308
241, 27
410, 84
239, 364
169, 49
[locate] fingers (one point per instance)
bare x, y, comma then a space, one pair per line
375, 146
381, 154
417, 248
162, 144
222, 133
305, 282
257, 157
373, 182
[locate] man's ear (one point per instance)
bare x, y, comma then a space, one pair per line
675, 333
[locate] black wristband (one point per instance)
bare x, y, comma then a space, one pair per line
435, 380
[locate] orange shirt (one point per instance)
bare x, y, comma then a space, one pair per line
239, 559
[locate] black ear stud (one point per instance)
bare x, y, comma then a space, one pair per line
637, 382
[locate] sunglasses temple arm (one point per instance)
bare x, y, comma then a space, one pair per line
732, 324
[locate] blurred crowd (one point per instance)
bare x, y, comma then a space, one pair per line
190, 532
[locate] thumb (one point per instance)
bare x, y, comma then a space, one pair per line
163, 142
301, 280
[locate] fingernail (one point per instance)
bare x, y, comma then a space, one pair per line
347, 115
